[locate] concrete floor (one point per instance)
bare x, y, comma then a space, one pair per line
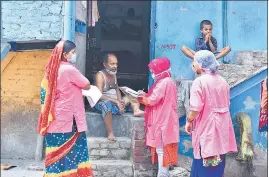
21, 173
25, 168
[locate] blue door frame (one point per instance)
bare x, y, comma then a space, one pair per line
152, 35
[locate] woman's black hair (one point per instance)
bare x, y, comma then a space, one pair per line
68, 46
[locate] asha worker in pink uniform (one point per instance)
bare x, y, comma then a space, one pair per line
161, 116
209, 121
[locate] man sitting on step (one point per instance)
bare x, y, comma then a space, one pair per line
111, 103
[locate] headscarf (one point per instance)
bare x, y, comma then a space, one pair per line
48, 89
206, 61
161, 68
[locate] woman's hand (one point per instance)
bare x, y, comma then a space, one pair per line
141, 93
87, 87
188, 127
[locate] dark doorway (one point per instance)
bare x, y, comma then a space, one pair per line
124, 29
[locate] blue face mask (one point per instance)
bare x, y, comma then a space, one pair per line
73, 59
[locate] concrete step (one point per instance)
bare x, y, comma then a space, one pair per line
234, 73
112, 168
256, 59
100, 148
96, 126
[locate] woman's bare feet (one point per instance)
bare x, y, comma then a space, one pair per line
139, 113
111, 137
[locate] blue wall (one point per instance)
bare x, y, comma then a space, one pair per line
178, 23
246, 26
250, 102
240, 24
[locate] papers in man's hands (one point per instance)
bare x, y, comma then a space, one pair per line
93, 95
129, 91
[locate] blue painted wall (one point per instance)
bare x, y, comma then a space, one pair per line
240, 24
246, 26
178, 23
250, 102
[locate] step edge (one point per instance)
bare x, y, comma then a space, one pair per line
112, 162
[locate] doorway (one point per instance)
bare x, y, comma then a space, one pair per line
123, 29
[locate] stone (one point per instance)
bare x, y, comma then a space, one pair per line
36, 167
120, 153
113, 168
125, 144
104, 152
128, 171
113, 145
96, 125
93, 145
109, 173
233, 73
179, 172
95, 152
97, 173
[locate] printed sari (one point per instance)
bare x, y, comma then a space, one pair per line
66, 153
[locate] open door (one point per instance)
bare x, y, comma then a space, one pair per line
123, 28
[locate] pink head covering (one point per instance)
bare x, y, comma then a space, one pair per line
160, 67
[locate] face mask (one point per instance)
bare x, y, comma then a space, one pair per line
73, 59
154, 76
169, 70
111, 72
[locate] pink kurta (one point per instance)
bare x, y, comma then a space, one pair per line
213, 130
163, 123
69, 100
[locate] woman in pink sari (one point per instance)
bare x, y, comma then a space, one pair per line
161, 116
209, 121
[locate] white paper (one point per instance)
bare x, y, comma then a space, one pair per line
93, 95
129, 91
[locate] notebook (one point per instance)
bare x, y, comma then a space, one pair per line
129, 91
93, 95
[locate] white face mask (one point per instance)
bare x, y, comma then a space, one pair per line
73, 59
154, 76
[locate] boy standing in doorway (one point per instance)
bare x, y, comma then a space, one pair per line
206, 42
